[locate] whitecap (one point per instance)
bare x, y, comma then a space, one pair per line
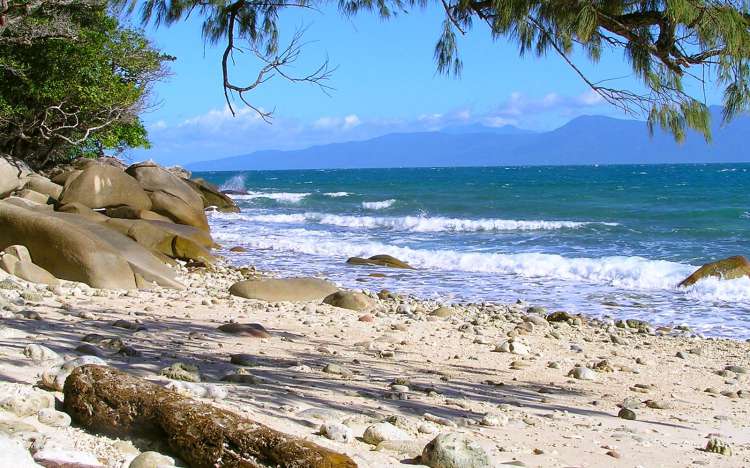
285, 197
337, 194
418, 223
378, 205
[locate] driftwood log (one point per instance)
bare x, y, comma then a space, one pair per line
109, 401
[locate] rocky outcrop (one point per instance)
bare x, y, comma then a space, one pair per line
65, 249
380, 260
173, 240
104, 186
143, 263
349, 300
212, 196
287, 289
728, 268
105, 400
170, 196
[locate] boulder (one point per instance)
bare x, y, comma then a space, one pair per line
66, 250
349, 300
128, 212
31, 195
212, 196
380, 260
109, 401
103, 186
287, 289
13, 175
43, 185
728, 268
170, 195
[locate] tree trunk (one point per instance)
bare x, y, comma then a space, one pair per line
110, 401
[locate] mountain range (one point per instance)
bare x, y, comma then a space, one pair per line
584, 140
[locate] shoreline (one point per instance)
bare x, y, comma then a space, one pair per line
425, 374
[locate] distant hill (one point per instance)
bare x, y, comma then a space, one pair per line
583, 140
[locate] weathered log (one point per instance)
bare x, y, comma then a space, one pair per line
113, 402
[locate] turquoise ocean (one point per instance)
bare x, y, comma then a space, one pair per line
601, 240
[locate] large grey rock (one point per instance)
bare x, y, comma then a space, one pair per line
454, 450
23, 267
170, 195
212, 196
287, 289
103, 186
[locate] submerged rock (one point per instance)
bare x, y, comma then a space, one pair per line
380, 260
728, 268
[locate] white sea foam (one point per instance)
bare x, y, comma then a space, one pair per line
236, 183
629, 273
284, 197
337, 194
416, 223
378, 205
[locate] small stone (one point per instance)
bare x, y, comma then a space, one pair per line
182, 371
337, 432
39, 353
582, 373
626, 413
87, 349
443, 312
513, 347
253, 330
454, 450
247, 360
54, 418
736, 369
151, 460
129, 325
659, 404
241, 379
337, 370
681, 355
559, 316
377, 433
493, 420
614, 454
718, 446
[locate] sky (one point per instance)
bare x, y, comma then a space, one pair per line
384, 81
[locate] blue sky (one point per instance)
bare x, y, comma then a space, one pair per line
385, 81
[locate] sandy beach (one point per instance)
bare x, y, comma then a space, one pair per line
421, 373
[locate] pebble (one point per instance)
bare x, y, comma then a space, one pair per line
454, 450
513, 347
247, 360
337, 370
337, 432
718, 446
626, 413
151, 460
52, 417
